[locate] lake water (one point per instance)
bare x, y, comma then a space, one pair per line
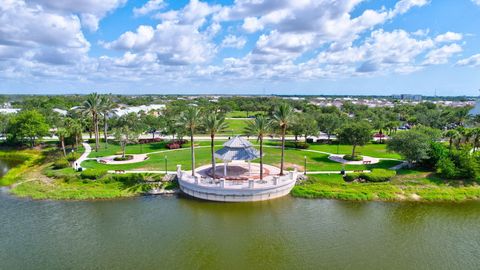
288, 233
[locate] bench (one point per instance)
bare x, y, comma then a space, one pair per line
367, 162
102, 161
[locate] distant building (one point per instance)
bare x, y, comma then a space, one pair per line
8, 110
408, 97
138, 109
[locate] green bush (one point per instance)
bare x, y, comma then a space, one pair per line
73, 156
127, 157
297, 145
61, 164
459, 165
377, 175
93, 174
92, 140
353, 158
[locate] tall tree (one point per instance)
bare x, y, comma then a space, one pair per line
214, 123
329, 123
356, 134
190, 119
452, 135
62, 133
92, 106
107, 106
27, 125
283, 115
260, 128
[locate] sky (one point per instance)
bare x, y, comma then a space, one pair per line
289, 47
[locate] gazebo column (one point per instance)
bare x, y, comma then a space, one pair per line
249, 168
225, 168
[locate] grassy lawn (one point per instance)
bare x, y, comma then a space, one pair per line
372, 150
293, 157
408, 185
241, 114
236, 126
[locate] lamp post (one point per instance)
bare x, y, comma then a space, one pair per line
166, 161
338, 146
305, 166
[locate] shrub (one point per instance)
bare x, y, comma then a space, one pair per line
127, 157
173, 145
61, 164
297, 145
73, 156
93, 174
353, 158
458, 165
377, 175
91, 140
151, 140
446, 168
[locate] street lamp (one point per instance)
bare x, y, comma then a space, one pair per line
166, 160
305, 166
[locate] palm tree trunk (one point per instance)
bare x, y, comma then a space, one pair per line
62, 141
212, 147
283, 150
95, 130
193, 152
105, 130
261, 158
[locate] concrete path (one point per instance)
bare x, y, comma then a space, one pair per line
83, 157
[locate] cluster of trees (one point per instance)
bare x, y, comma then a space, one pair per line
423, 147
352, 124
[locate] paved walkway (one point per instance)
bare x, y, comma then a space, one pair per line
84, 156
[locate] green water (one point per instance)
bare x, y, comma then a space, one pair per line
181, 233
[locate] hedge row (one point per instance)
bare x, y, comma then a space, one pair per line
377, 175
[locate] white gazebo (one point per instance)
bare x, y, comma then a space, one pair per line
237, 149
242, 184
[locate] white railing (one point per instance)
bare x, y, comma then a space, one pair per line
224, 183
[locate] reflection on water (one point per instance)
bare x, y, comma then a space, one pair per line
183, 233
7, 164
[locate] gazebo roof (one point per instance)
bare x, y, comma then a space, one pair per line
237, 142
237, 149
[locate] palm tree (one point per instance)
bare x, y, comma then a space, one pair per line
107, 106
214, 123
283, 116
453, 135
62, 133
475, 138
260, 128
92, 106
190, 119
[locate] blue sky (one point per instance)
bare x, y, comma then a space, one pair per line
240, 47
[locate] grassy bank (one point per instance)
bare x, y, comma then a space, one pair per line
26, 158
408, 185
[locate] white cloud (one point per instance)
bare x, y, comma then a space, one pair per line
472, 61
232, 41
90, 11
476, 2
442, 55
177, 40
149, 7
449, 37
30, 33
